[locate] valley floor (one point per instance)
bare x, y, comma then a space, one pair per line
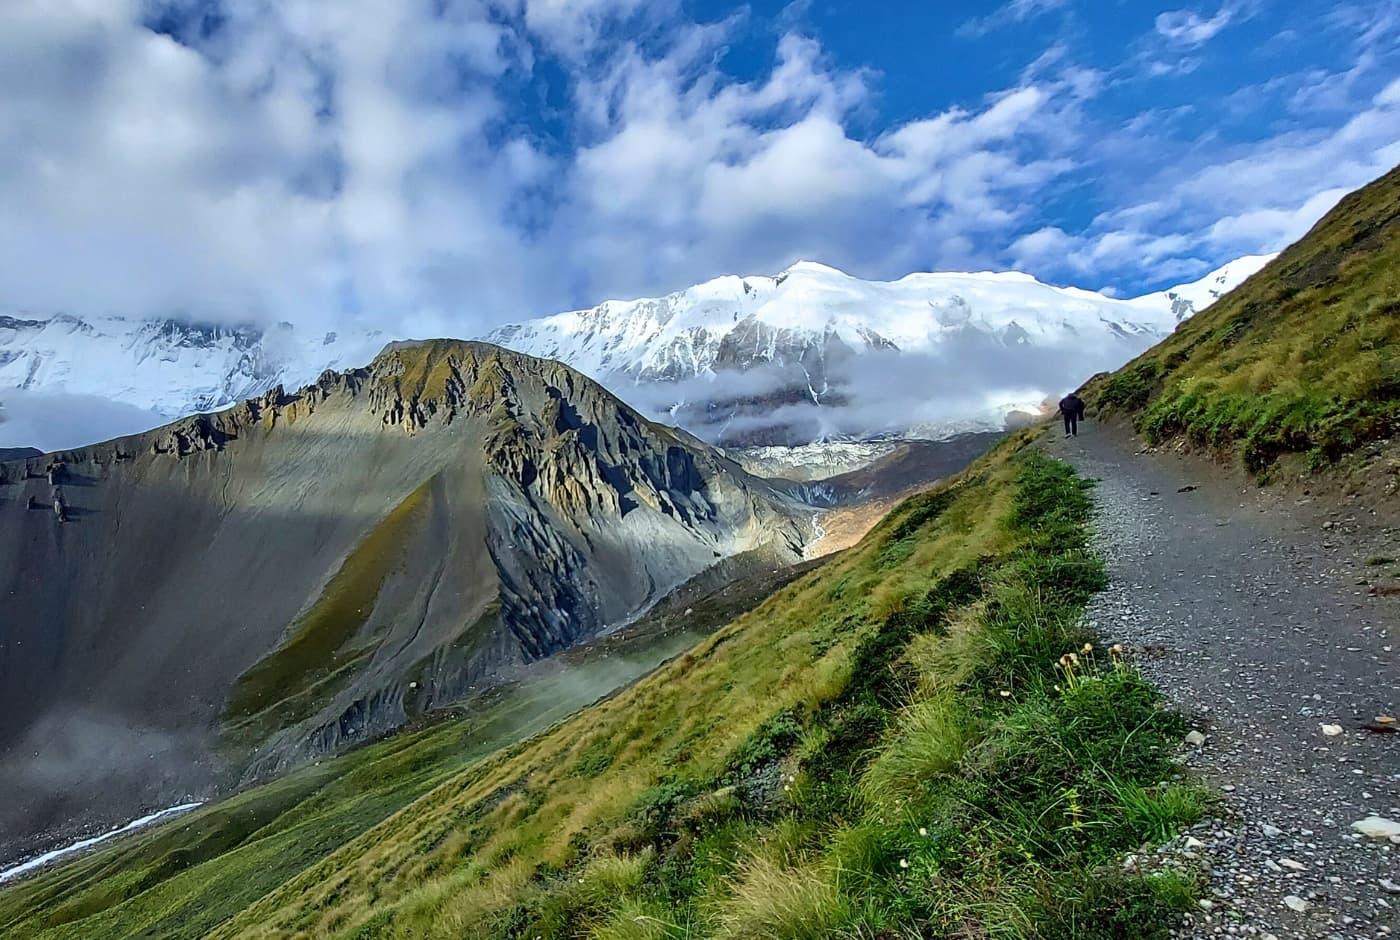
1263, 614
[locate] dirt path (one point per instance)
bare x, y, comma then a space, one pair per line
1254, 615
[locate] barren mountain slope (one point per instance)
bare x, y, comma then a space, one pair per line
251, 588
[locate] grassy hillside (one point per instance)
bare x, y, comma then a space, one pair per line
184, 879
1300, 359
896, 745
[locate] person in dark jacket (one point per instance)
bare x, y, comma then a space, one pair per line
1072, 408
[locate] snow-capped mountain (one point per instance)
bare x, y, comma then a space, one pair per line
67, 381
164, 365
814, 353
809, 354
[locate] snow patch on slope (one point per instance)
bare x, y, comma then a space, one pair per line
83, 844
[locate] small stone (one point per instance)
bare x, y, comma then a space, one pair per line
1331, 730
1290, 863
1193, 843
1195, 739
1270, 832
1389, 886
1377, 827
1295, 903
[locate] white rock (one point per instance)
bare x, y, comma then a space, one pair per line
1290, 863
1331, 730
1270, 832
1390, 886
1377, 827
1195, 739
1296, 903
1193, 843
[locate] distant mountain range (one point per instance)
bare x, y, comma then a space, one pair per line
809, 354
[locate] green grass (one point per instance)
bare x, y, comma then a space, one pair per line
1300, 359
185, 878
887, 747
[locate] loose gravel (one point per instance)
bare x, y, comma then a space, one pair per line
1265, 619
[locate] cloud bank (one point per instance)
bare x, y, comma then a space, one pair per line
441, 166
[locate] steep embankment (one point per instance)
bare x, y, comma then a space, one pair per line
885, 746
1300, 359
300, 572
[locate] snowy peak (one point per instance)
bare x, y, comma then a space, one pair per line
682, 334
1186, 300
746, 359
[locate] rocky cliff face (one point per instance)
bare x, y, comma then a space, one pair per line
240, 591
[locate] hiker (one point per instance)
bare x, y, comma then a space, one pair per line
1072, 408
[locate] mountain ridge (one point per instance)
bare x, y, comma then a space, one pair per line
169, 369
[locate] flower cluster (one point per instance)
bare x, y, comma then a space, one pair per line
1080, 667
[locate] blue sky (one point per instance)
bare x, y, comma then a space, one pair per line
446, 165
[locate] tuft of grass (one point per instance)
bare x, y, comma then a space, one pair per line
928, 741
781, 903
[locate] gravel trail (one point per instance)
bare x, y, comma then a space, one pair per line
1258, 614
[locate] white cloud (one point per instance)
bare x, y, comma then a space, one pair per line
573, 27
1189, 28
1275, 227
1012, 12
1389, 96
312, 151
1226, 202
310, 159
696, 176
